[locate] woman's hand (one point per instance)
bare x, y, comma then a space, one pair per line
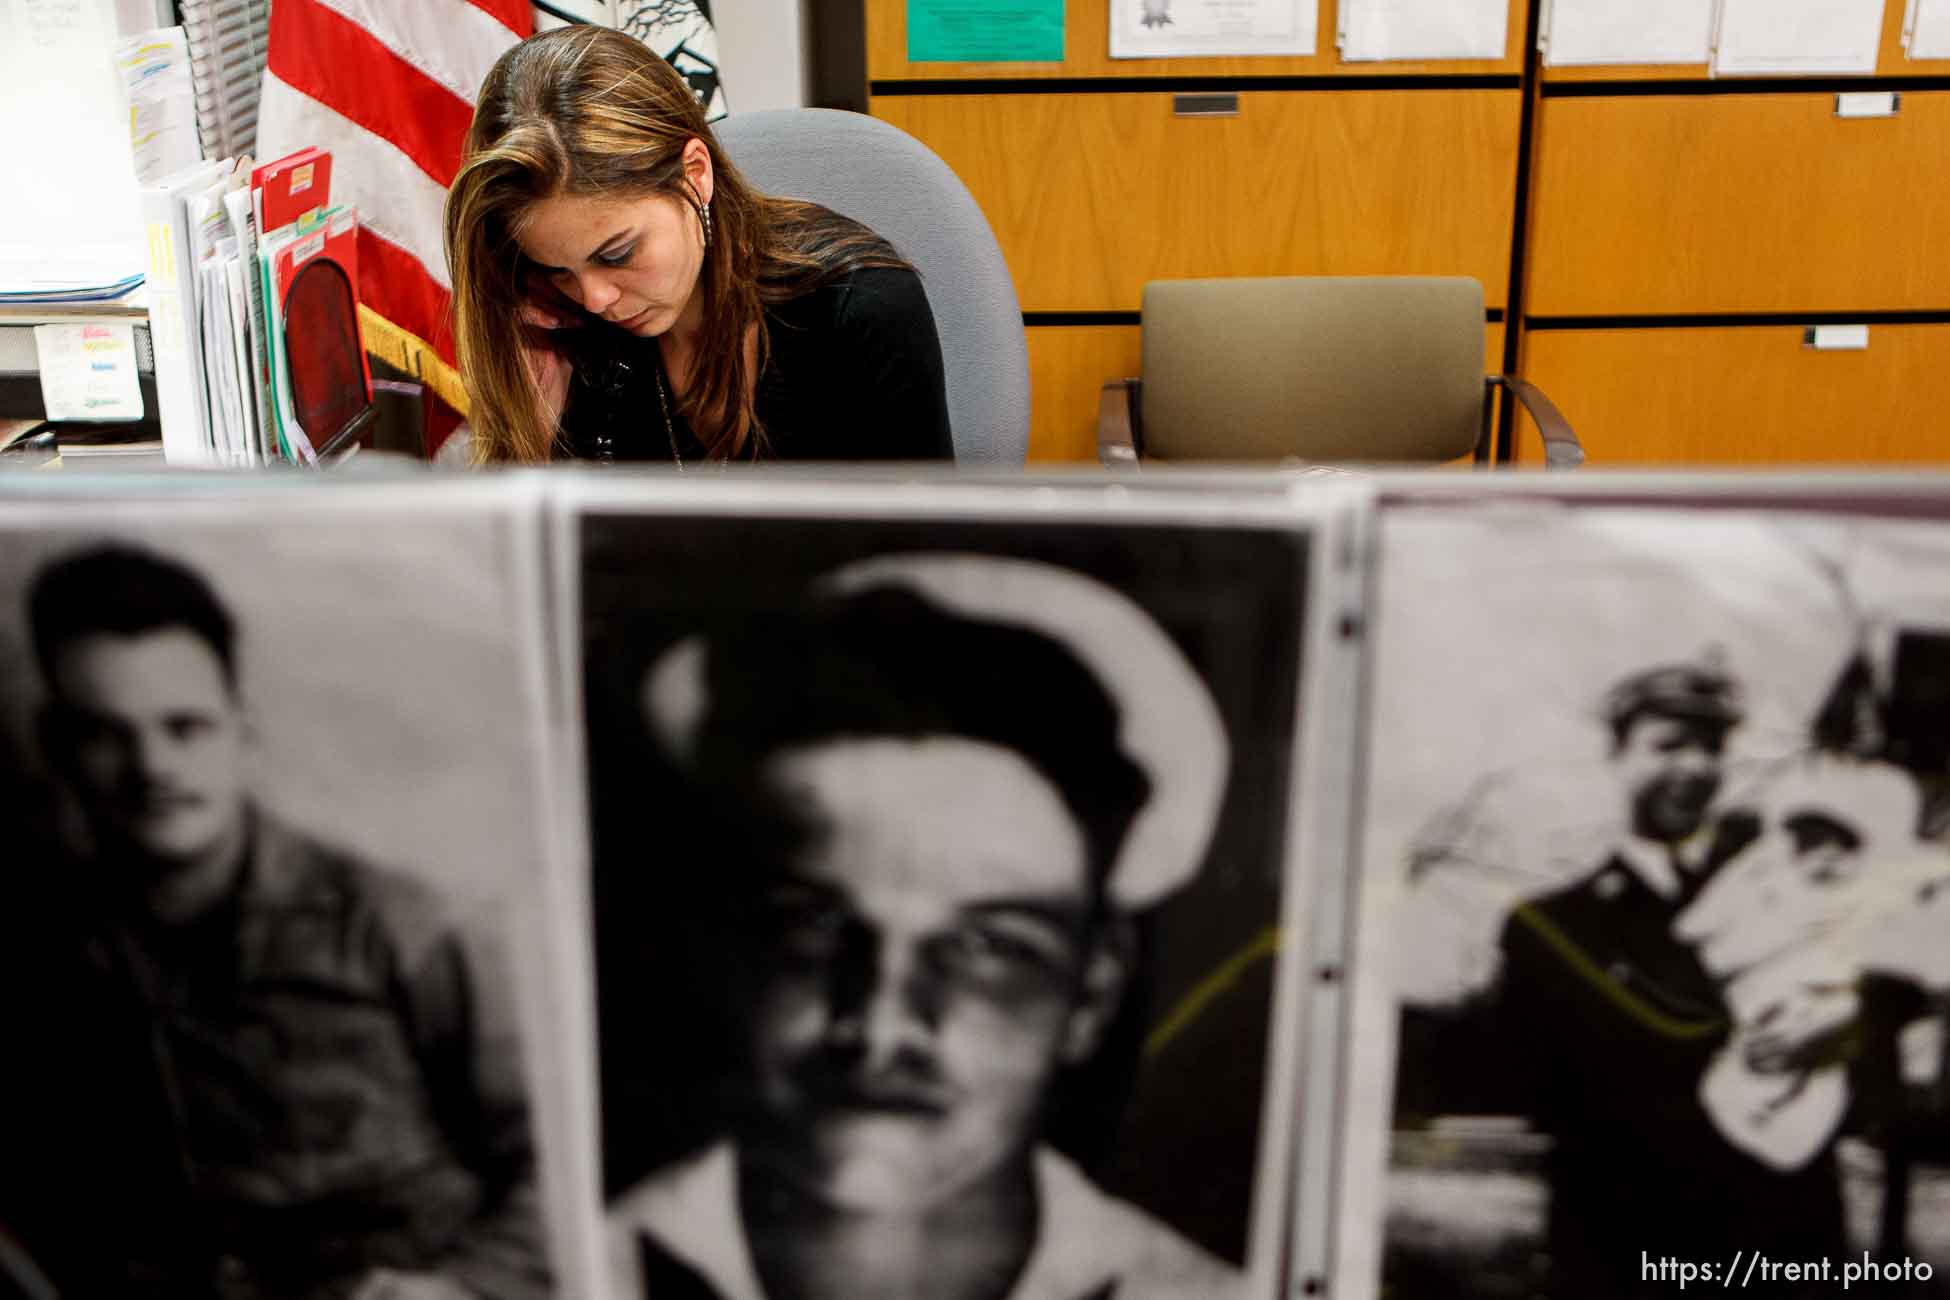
547, 317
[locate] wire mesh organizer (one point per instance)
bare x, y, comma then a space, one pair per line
227, 51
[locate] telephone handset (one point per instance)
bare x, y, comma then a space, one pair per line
610, 390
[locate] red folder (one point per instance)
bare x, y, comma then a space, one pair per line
315, 316
291, 187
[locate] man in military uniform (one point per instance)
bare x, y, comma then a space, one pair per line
250, 1066
1613, 1022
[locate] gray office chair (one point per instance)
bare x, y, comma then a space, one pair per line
1315, 368
874, 172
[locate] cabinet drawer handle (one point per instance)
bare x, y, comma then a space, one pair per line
1837, 338
1226, 105
1868, 103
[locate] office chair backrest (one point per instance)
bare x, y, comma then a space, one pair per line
1320, 368
876, 173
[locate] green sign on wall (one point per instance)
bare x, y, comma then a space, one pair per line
984, 31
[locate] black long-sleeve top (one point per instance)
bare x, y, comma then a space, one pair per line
854, 373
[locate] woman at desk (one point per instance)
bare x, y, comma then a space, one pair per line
621, 293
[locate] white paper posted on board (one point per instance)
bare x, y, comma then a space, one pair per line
1649, 31
1798, 36
1423, 29
1158, 29
1927, 33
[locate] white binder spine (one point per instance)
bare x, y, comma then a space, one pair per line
181, 396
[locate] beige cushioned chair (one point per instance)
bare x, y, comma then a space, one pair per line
1315, 368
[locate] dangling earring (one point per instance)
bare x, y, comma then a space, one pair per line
705, 212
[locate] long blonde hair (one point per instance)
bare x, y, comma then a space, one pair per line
587, 110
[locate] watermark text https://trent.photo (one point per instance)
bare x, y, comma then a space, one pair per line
1756, 1268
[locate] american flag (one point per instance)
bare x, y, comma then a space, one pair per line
389, 86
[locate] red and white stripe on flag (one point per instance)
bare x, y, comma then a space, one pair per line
388, 86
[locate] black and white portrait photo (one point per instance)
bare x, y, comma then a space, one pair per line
271, 776
939, 887
682, 32
1653, 961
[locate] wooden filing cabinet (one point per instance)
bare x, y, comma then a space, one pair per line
1689, 230
1062, 400
1093, 194
1739, 203
1747, 395
1094, 184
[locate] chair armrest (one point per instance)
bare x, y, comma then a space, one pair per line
1562, 450
1117, 444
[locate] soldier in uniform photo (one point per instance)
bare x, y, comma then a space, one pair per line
260, 1066
938, 792
1613, 1022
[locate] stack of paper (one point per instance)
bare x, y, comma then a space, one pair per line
78, 273
247, 307
175, 328
122, 443
227, 242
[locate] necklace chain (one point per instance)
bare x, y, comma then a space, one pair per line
663, 402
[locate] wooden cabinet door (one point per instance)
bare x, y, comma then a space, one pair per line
1751, 395
1091, 195
1665, 204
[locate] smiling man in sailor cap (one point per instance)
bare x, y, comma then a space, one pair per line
1613, 1021
942, 787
